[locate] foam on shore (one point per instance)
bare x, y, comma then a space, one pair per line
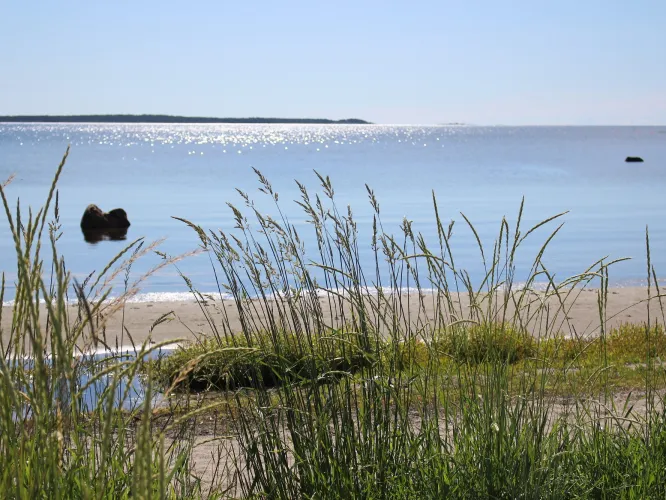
189, 297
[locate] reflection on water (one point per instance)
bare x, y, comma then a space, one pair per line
97, 383
94, 236
129, 392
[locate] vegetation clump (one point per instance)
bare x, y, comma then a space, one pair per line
487, 342
265, 363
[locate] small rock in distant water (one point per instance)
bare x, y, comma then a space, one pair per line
634, 159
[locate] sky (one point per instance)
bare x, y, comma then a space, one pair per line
485, 62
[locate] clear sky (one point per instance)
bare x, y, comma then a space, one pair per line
437, 61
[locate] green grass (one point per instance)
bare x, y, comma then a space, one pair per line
376, 399
216, 365
53, 442
221, 365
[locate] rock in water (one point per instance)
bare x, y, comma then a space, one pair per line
634, 159
95, 218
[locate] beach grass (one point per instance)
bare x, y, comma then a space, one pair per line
417, 382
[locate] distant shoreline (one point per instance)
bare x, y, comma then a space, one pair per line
170, 119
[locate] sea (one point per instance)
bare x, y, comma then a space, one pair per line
160, 171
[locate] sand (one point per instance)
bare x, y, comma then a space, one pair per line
190, 320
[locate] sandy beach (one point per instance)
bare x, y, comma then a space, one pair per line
577, 314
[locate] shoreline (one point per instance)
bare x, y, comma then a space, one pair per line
157, 297
189, 320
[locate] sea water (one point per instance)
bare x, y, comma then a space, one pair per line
157, 171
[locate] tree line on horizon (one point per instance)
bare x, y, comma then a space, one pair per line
169, 119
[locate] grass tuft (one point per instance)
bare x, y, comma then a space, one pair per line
212, 365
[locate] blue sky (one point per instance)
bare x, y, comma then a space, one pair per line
474, 61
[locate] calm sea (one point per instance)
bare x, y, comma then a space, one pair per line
191, 171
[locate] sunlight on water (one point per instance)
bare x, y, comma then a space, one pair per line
243, 137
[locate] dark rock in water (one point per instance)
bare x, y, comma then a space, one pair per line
94, 219
97, 235
634, 159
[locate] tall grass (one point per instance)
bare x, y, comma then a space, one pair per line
58, 437
460, 390
402, 379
